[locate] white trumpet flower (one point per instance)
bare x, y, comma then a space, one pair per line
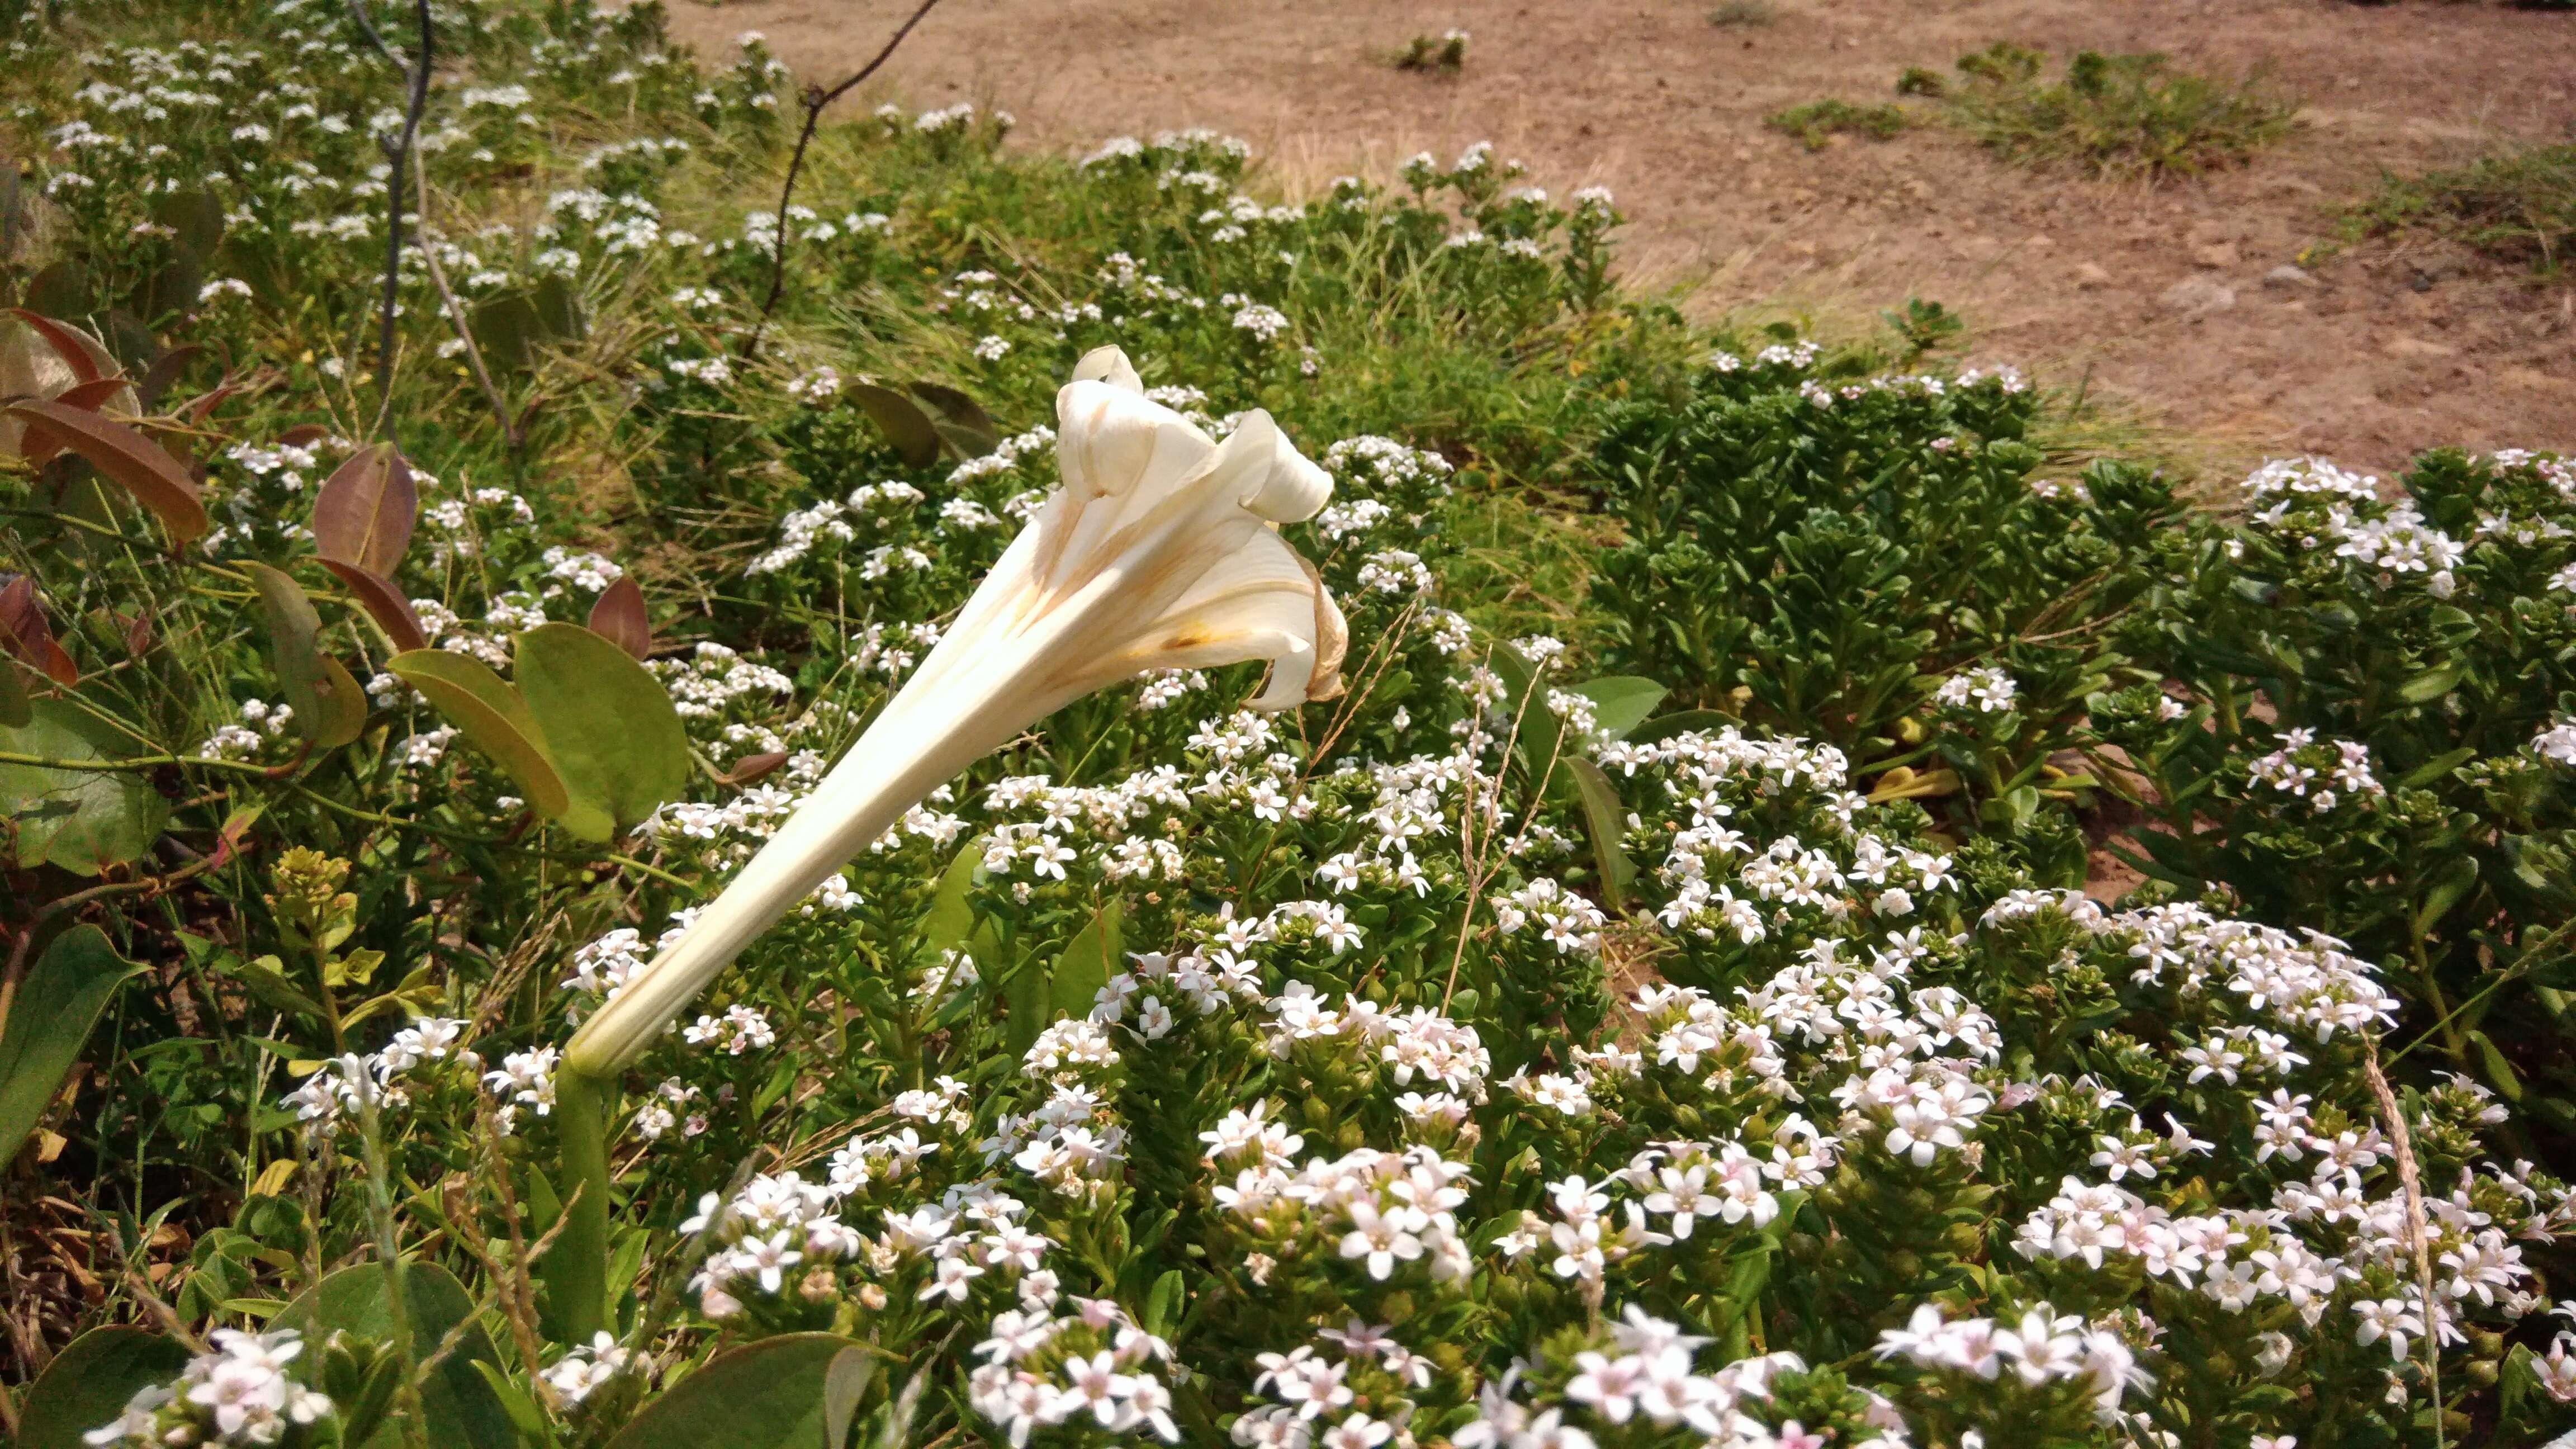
1160, 551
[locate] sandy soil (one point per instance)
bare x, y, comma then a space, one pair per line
2159, 296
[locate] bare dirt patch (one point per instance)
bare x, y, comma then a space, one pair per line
2162, 296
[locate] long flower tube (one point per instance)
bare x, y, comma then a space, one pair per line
1160, 551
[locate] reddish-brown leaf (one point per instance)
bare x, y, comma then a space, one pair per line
196, 408
383, 602
87, 360
24, 633
301, 434
138, 634
752, 767
164, 371
141, 465
365, 511
619, 616
91, 397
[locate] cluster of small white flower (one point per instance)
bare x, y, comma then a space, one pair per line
239, 1393
2324, 774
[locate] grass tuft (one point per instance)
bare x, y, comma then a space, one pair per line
1744, 14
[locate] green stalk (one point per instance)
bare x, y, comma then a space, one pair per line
576, 1268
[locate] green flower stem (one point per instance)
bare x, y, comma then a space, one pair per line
576, 1271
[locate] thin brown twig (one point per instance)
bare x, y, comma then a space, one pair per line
816, 100
456, 318
2418, 1227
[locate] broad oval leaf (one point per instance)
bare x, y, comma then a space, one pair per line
81, 820
61, 290
330, 708
906, 426
164, 371
459, 1406
1621, 702
49, 1022
383, 602
195, 216
962, 420
620, 617
16, 707
1086, 963
140, 465
483, 706
89, 1383
558, 305
608, 725
506, 328
365, 510
1605, 819
773, 1394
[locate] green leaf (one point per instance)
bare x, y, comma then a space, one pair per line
950, 918
1605, 819
914, 437
2437, 767
961, 420
2499, 1072
1538, 733
16, 708
844, 1384
49, 1022
1163, 1305
1024, 1006
61, 290
773, 1394
2430, 685
2451, 884
195, 215
89, 1382
524, 1414
1085, 964
1621, 702
330, 708
488, 711
558, 306
1681, 722
507, 328
457, 1403
608, 726
80, 820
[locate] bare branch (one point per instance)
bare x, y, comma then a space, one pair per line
816, 100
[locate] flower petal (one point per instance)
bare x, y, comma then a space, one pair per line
1109, 365
1290, 488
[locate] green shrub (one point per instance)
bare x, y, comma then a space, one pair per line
1816, 122
2366, 735
1860, 555
1445, 53
2517, 207
2115, 115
